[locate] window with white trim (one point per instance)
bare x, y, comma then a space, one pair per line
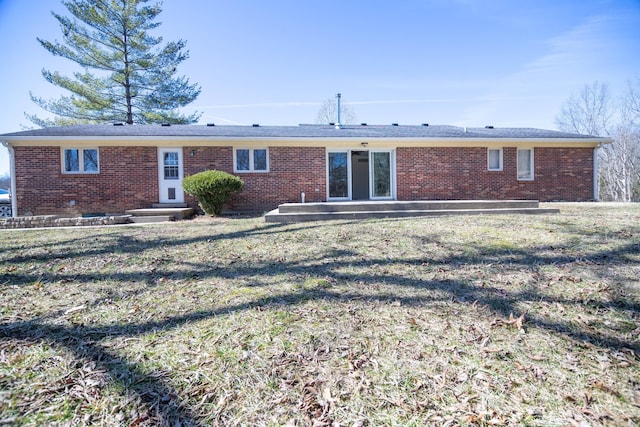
494, 159
525, 164
251, 160
80, 160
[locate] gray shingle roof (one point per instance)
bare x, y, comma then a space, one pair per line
301, 131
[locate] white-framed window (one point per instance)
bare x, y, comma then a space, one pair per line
494, 159
80, 160
251, 160
525, 164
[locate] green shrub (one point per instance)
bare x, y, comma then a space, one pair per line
212, 188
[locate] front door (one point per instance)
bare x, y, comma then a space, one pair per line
170, 174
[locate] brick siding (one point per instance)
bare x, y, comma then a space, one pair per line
128, 177
448, 173
292, 170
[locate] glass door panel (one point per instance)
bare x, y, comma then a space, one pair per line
171, 165
380, 174
338, 175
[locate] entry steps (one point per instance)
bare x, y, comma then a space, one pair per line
300, 212
161, 212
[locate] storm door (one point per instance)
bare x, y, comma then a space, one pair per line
170, 174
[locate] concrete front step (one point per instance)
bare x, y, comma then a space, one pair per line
393, 205
151, 218
277, 216
168, 205
175, 213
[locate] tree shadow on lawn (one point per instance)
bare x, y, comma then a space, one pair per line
165, 408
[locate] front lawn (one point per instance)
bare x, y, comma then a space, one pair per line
461, 320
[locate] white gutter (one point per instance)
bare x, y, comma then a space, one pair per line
12, 177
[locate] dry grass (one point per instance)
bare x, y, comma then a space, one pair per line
488, 320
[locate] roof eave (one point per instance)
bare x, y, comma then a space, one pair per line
17, 141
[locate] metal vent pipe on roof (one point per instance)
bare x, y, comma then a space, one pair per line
339, 123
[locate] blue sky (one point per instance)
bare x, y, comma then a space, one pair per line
507, 63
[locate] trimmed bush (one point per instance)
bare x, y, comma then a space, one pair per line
212, 188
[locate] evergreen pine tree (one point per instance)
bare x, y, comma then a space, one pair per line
126, 75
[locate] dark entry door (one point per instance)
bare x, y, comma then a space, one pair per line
360, 175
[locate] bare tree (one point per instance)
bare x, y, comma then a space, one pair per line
588, 112
328, 113
631, 102
620, 166
592, 111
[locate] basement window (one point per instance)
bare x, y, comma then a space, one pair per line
80, 160
494, 159
251, 160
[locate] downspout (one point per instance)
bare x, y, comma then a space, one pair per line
12, 177
596, 176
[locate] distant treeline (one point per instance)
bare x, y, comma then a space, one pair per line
5, 181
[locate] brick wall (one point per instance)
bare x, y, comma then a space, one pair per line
292, 170
448, 173
128, 179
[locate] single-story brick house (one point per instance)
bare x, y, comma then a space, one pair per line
112, 168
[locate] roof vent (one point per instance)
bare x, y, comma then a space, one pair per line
118, 124
165, 124
332, 123
211, 124
256, 125
425, 124
488, 127
363, 124
394, 124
